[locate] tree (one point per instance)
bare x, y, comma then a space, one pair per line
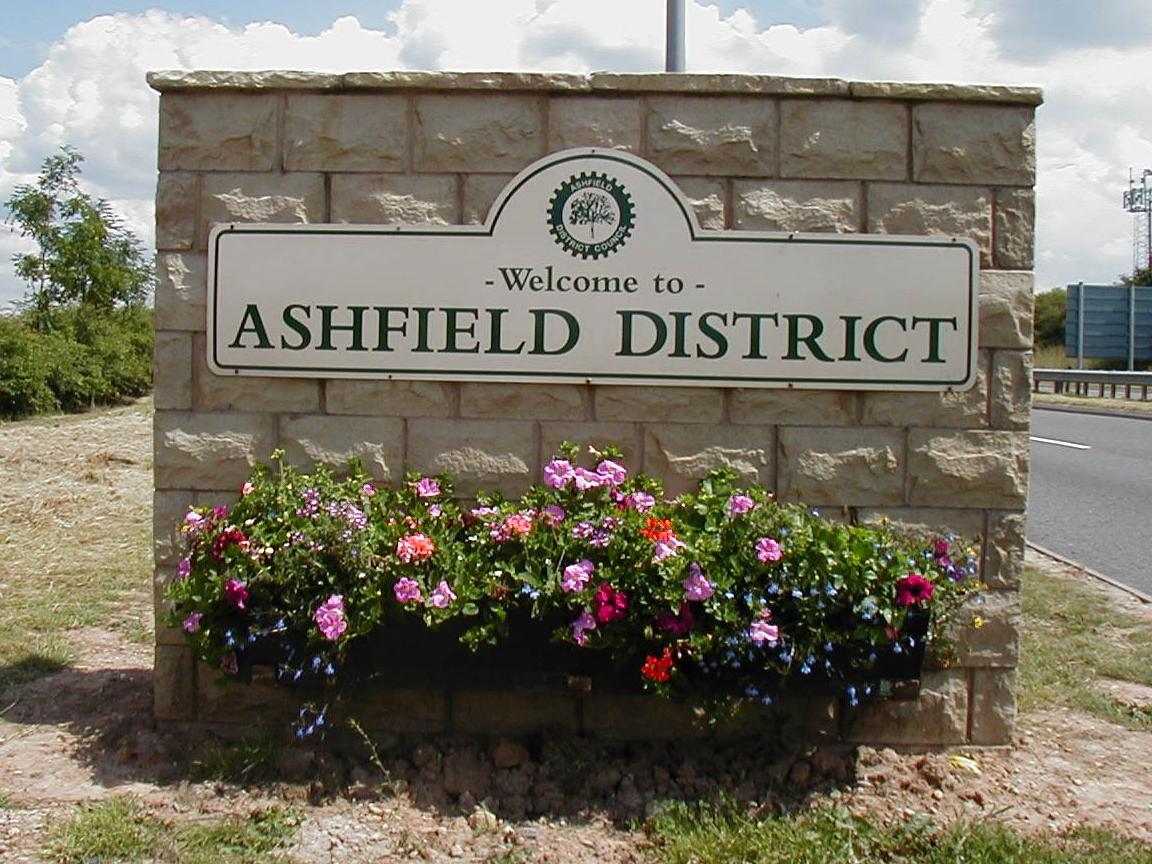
85, 255
590, 209
1048, 317
1140, 276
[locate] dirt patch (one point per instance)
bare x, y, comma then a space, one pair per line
86, 733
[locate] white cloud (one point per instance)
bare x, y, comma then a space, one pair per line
90, 90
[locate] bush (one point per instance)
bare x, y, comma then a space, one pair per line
88, 358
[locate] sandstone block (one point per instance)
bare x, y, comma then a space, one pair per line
966, 525
996, 641
480, 193
168, 509
345, 132
224, 699
938, 718
487, 712
993, 706
181, 291
659, 404
177, 197
250, 393
172, 370
707, 197
174, 683
952, 408
682, 455
848, 467
712, 136
981, 466
288, 198
482, 455
792, 718
1004, 551
954, 211
525, 401
640, 717
624, 436
974, 144
209, 451
1005, 309
401, 710
792, 408
377, 442
392, 398
391, 199
473, 132
838, 139
797, 205
1011, 389
218, 132
594, 122
1015, 229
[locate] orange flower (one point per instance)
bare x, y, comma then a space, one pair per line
657, 530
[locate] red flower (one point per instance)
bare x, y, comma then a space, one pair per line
225, 538
657, 530
913, 589
610, 604
658, 668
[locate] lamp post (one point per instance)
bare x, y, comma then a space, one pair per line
674, 53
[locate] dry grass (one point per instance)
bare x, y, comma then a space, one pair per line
75, 541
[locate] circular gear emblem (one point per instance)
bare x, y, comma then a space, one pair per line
591, 215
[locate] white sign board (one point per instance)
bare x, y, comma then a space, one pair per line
591, 268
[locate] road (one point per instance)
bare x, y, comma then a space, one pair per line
1093, 503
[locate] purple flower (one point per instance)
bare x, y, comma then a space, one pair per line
426, 487
558, 473
583, 530
442, 596
738, 505
761, 631
641, 502
228, 664
553, 515
407, 591
768, 550
330, 618
585, 479
184, 569
367, 490
580, 627
236, 593
696, 586
576, 576
434, 510
667, 548
613, 472
193, 522
192, 623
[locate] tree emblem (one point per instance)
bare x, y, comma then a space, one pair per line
591, 208
591, 215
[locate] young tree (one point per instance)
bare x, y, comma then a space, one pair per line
85, 255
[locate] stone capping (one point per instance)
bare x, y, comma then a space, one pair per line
165, 81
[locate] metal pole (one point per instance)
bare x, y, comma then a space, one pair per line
1131, 328
674, 45
1080, 327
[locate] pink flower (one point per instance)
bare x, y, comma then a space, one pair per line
585, 479
236, 593
610, 604
193, 522
330, 618
415, 547
367, 490
696, 586
518, 524
558, 473
667, 548
913, 589
426, 487
408, 591
613, 472
192, 623
641, 502
553, 515
738, 505
442, 596
761, 631
576, 576
434, 510
184, 569
580, 627
246, 489
768, 550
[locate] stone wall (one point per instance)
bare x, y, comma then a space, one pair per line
750, 152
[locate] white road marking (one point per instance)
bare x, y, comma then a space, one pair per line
1059, 443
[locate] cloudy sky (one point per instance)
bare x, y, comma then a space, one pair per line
72, 71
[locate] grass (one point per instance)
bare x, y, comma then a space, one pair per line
119, 830
690, 834
240, 761
1070, 639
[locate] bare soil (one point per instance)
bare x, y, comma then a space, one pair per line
86, 733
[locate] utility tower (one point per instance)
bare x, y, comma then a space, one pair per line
1138, 201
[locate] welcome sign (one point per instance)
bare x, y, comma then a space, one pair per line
592, 268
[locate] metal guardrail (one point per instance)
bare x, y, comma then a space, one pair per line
1081, 382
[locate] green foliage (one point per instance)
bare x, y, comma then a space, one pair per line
1048, 318
119, 830
90, 357
1139, 276
717, 596
85, 256
684, 833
